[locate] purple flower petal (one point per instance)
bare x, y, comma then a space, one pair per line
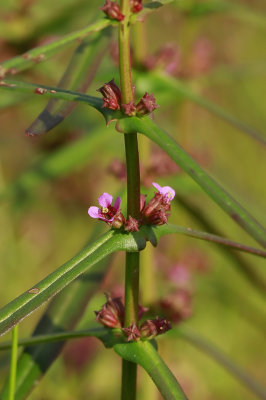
168, 192
117, 203
105, 200
94, 212
157, 186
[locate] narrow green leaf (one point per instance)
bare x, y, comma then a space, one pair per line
166, 229
217, 355
63, 313
41, 53
144, 354
213, 189
78, 76
177, 87
110, 242
58, 93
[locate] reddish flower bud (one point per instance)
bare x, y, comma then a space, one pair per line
154, 327
118, 221
154, 205
146, 105
111, 95
112, 10
148, 329
132, 332
112, 313
136, 6
132, 225
129, 109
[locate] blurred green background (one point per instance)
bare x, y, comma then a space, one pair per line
220, 54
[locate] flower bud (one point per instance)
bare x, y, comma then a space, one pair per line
154, 327
111, 95
146, 105
132, 332
112, 313
132, 225
112, 10
136, 6
153, 205
129, 109
118, 221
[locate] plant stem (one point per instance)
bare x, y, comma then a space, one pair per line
129, 369
13, 364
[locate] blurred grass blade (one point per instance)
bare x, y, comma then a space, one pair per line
58, 93
41, 53
57, 164
239, 11
172, 85
144, 354
78, 76
63, 314
217, 355
213, 189
241, 264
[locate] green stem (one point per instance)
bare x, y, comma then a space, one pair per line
13, 364
129, 369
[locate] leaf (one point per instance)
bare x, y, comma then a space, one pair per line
62, 314
41, 53
43, 291
172, 85
166, 229
217, 355
59, 93
144, 354
213, 189
107, 244
78, 76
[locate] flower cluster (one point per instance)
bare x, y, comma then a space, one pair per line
155, 212
113, 11
112, 99
112, 313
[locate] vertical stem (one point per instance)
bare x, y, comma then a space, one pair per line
129, 369
13, 364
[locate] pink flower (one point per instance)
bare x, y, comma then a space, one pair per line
167, 192
106, 212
